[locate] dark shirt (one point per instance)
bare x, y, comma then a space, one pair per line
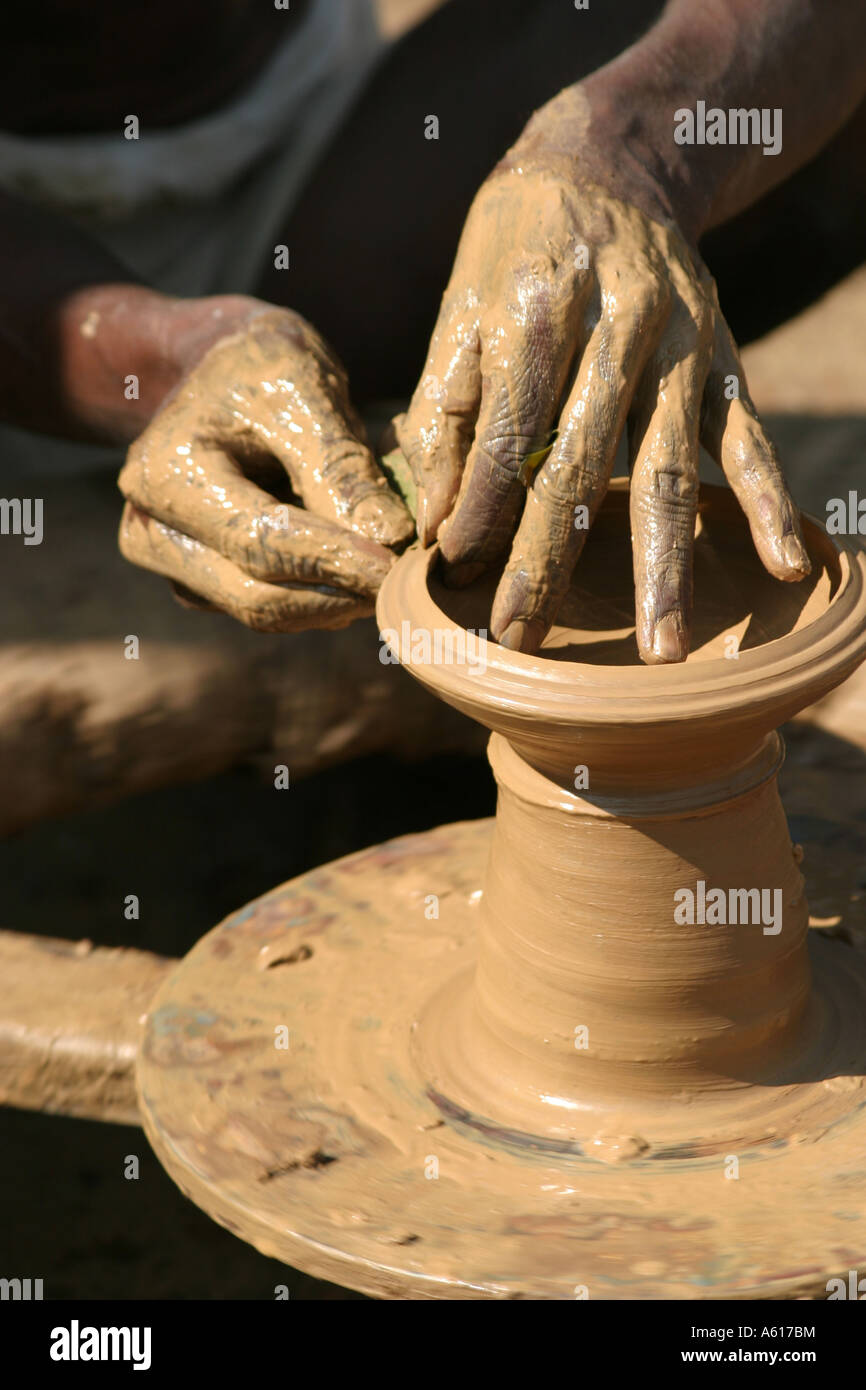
78, 66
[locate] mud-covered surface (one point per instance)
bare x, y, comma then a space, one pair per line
193, 854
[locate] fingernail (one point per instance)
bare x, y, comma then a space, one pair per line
422, 518
669, 640
795, 556
383, 518
523, 636
367, 578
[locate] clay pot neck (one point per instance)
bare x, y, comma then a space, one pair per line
589, 993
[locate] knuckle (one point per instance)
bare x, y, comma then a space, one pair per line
256, 550
506, 448
648, 288
706, 279
669, 496
571, 480
411, 447
671, 573
253, 560
282, 324
655, 292
703, 318
283, 335
128, 477
126, 544
676, 484
533, 266
135, 538
346, 465
132, 474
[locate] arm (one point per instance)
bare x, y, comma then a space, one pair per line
74, 323
240, 414
804, 59
579, 303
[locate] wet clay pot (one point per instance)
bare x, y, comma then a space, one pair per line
591, 1048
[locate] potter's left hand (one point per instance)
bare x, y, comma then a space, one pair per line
576, 304
252, 488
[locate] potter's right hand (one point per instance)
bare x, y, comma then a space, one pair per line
252, 489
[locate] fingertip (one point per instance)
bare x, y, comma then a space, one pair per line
785, 558
669, 641
426, 535
382, 517
519, 616
796, 558
187, 598
434, 507
432, 513
523, 635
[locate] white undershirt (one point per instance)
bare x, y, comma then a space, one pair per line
106, 175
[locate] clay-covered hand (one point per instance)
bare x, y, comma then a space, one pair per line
252, 488
577, 309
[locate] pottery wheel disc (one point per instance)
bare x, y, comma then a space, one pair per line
282, 1067
329, 1155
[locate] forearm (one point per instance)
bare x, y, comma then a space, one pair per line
87, 352
791, 56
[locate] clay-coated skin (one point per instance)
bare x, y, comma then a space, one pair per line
576, 305
266, 407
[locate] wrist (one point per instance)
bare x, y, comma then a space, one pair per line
618, 124
603, 131
113, 365
696, 106
634, 102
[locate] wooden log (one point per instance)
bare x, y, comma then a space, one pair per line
81, 724
69, 1025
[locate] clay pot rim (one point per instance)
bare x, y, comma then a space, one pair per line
785, 674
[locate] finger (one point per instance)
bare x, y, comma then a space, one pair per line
665, 485
187, 599
526, 360
576, 474
204, 495
436, 431
304, 417
734, 436
220, 584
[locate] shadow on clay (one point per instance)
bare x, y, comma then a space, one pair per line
734, 599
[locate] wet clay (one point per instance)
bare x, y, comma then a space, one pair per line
574, 305
70, 1024
677, 777
542, 1085
213, 484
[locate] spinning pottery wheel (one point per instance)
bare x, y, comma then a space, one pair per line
514, 1068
